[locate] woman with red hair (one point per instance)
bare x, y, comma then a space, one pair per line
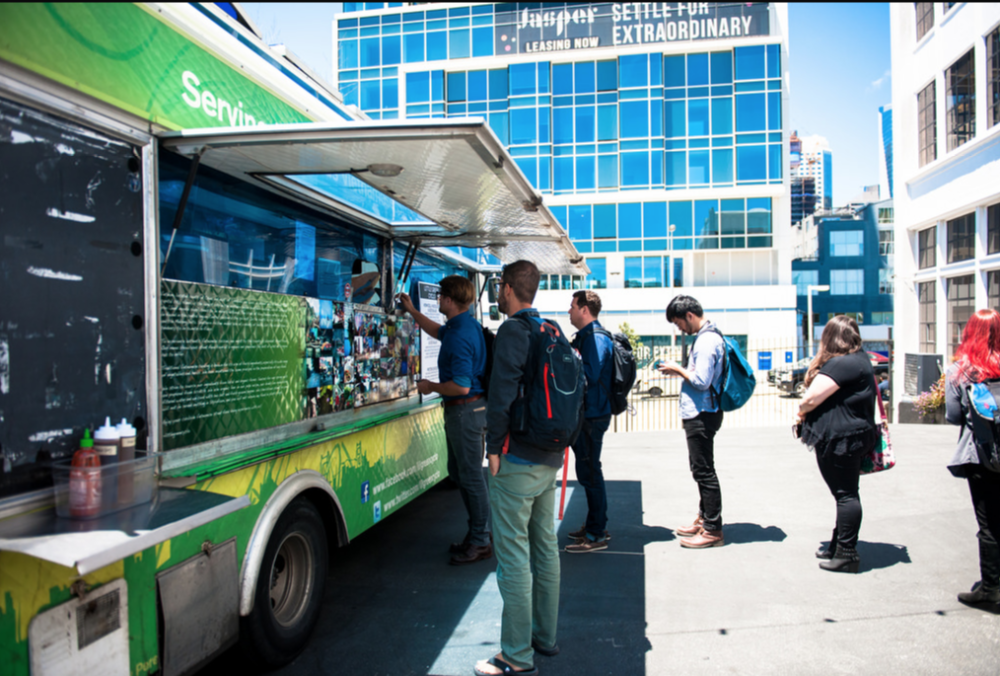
977, 359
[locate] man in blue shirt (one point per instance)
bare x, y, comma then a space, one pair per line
700, 416
461, 363
522, 493
597, 350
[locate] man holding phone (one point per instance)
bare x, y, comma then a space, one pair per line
701, 416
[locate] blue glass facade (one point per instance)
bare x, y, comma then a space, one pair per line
588, 126
885, 120
849, 260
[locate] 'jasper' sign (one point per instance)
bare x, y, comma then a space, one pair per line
551, 27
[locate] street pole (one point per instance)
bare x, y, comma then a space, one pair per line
809, 312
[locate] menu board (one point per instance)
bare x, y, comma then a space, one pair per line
236, 361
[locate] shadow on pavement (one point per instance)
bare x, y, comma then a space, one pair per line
743, 533
393, 605
875, 555
602, 609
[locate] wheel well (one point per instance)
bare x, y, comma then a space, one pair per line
336, 529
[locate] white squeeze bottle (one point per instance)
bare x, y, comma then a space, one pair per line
106, 445
126, 452
106, 442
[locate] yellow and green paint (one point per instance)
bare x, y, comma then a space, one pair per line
400, 458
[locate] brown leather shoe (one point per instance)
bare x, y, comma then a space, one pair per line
704, 540
693, 529
471, 555
460, 547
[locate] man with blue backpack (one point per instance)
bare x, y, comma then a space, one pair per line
701, 415
533, 414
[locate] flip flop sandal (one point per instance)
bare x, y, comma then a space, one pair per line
506, 669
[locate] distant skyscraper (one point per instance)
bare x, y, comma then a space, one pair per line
885, 150
817, 163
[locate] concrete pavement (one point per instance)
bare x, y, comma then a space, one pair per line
759, 605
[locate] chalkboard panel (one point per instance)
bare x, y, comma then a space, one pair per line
71, 283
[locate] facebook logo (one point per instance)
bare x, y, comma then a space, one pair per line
377, 512
364, 492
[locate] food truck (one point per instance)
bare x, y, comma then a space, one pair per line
202, 241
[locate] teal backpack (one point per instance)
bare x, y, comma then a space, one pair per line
738, 381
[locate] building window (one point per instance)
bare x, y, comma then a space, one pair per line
925, 17
993, 229
885, 216
927, 124
993, 290
678, 280
847, 243
885, 276
960, 85
927, 317
962, 238
885, 243
993, 78
847, 282
859, 317
927, 248
598, 277
803, 279
882, 318
961, 305
645, 271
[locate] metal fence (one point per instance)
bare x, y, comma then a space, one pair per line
654, 401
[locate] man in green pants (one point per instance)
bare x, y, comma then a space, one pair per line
522, 494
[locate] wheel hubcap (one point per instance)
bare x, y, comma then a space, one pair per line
291, 579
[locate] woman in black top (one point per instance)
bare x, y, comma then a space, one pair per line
838, 416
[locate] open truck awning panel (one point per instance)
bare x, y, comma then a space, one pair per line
456, 185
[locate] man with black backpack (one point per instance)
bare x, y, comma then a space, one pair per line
534, 410
701, 415
597, 349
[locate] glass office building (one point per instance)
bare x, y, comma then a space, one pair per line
656, 134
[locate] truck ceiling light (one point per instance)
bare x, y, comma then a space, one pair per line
385, 170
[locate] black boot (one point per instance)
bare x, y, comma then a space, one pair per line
979, 595
827, 552
846, 560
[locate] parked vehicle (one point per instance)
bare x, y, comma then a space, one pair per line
775, 374
793, 381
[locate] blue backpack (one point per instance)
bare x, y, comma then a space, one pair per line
985, 414
548, 413
738, 381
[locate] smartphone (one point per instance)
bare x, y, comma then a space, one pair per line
797, 430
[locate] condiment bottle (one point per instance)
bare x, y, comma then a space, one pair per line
106, 442
85, 480
126, 452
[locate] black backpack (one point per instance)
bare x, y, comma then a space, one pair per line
488, 338
623, 377
548, 413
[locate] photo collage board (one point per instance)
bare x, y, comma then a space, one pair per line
357, 355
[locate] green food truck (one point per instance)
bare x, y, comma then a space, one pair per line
200, 239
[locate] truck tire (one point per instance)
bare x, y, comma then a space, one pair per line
289, 593
655, 391
800, 388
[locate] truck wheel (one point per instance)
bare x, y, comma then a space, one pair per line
800, 388
655, 391
290, 583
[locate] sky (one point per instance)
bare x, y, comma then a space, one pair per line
839, 72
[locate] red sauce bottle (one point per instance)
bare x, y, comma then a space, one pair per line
85, 480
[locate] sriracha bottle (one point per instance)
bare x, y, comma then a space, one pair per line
85, 480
